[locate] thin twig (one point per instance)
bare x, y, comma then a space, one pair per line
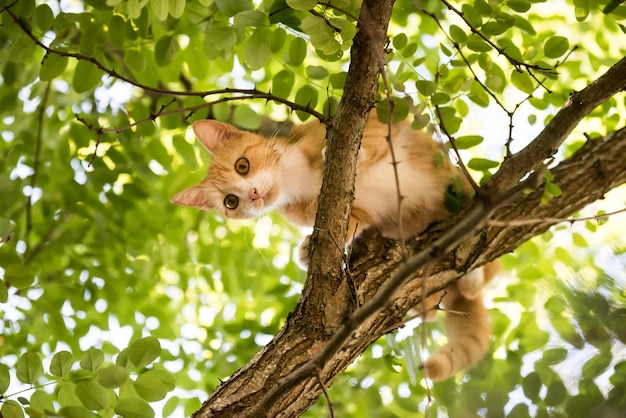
462, 166
331, 410
522, 222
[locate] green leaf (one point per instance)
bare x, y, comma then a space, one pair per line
457, 34
92, 360
279, 37
303, 5
177, 8
22, 50
135, 7
556, 393
133, 408
556, 305
482, 164
426, 87
519, 411
75, 411
247, 118
471, 14
316, 72
251, 18
579, 240
493, 28
554, 355
552, 189
440, 98
28, 368
531, 386
86, 77
4, 292
306, 96
400, 41
41, 401
297, 51
154, 385
522, 81
44, 17
92, 395
160, 9
61, 364
117, 31
468, 141
143, 352
171, 405
483, 7
21, 277
11, 409
112, 377
232, 7
192, 405
338, 80
476, 43
282, 83
220, 38
165, 50
321, 35
257, 49
520, 6
409, 50
595, 366
555, 46
5, 378
136, 60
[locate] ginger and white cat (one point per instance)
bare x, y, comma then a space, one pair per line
250, 175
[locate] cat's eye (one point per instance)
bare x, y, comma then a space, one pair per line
242, 166
231, 201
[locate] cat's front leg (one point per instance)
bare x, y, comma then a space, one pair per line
358, 222
304, 252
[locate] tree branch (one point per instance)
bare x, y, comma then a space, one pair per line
585, 177
558, 129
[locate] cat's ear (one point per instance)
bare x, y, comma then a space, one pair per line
195, 196
211, 132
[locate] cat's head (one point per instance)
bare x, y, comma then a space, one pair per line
244, 176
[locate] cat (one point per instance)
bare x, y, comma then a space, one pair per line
250, 175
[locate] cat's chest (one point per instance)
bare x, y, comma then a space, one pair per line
301, 180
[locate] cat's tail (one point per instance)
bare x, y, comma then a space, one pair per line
467, 326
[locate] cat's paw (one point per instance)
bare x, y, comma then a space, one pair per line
304, 252
471, 284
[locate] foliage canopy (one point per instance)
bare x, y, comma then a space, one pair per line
115, 302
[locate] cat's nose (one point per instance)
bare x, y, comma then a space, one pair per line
254, 195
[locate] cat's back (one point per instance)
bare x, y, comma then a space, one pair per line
422, 170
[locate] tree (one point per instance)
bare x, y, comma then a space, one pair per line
129, 300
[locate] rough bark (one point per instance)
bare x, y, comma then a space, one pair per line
260, 388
